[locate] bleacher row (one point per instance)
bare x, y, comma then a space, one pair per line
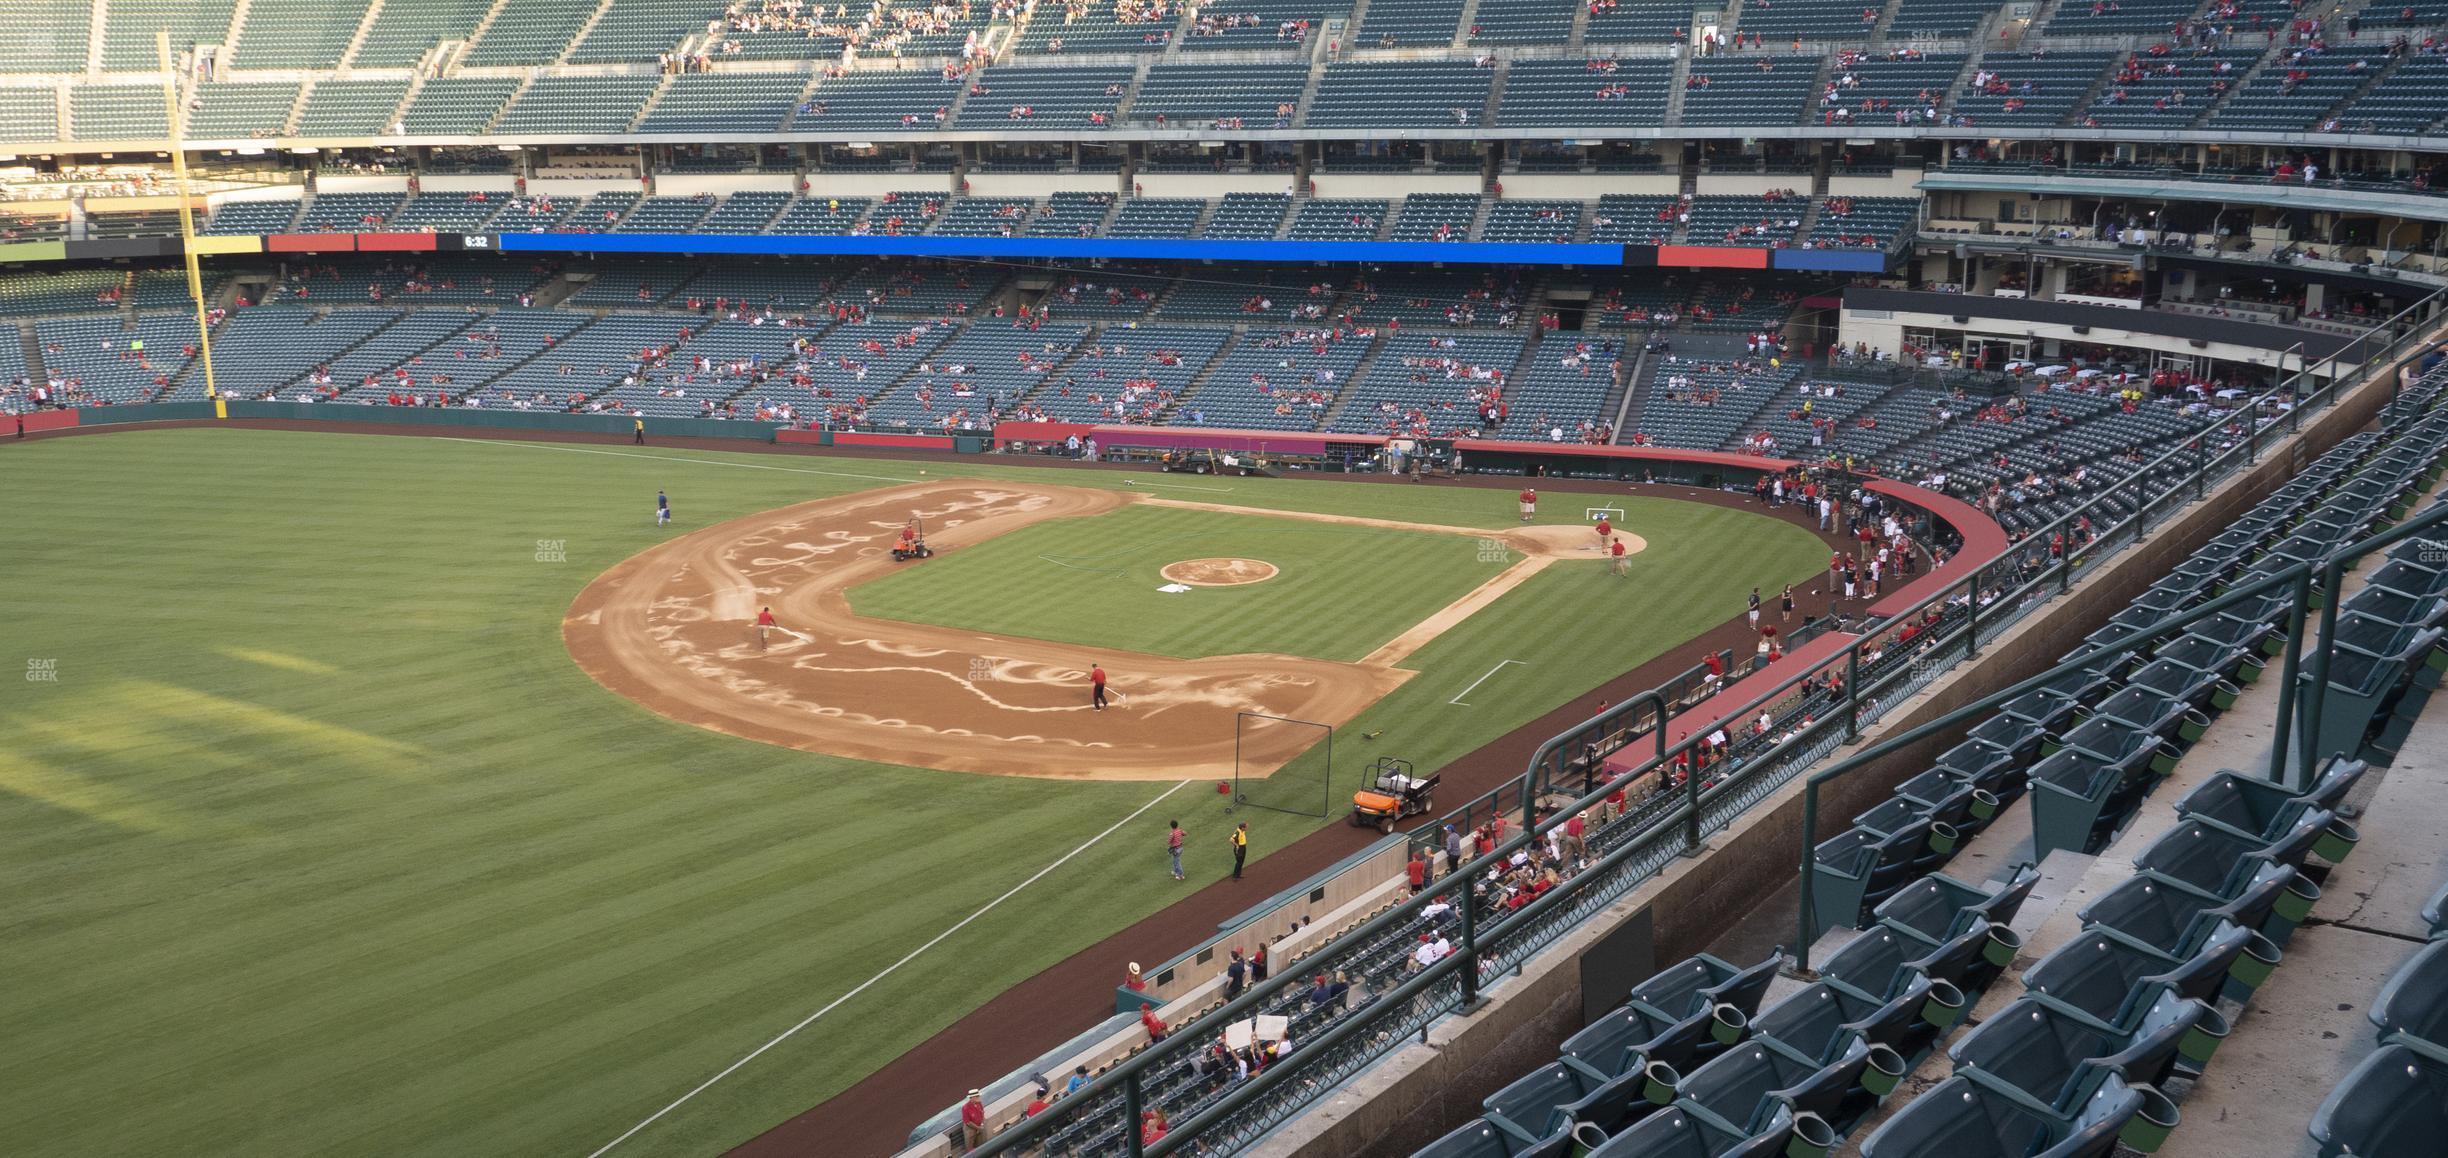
893, 343
1872, 223
318, 34
2257, 87
2115, 1024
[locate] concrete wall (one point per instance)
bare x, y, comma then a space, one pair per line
876, 184
469, 183
1901, 183
1210, 185
1395, 185
581, 186
720, 184
1589, 186
1425, 1090
1752, 184
1039, 185
363, 183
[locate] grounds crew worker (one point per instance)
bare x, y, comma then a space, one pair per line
1240, 847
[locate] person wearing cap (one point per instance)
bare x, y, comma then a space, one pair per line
973, 1121
1079, 1081
1240, 847
1134, 982
1155, 1025
1037, 1105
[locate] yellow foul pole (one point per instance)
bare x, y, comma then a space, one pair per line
176, 121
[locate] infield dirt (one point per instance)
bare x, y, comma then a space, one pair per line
673, 629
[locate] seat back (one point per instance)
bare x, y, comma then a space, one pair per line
1812, 1020
1609, 1044
1675, 991
2096, 1126
1872, 964
1670, 1133
2030, 1047
2394, 1102
1534, 1103
2414, 1002
1473, 1139
1744, 987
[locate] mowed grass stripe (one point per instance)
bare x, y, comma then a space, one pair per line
337, 852
1340, 591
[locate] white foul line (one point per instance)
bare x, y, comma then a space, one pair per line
1188, 487
1500, 666
863, 986
674, 458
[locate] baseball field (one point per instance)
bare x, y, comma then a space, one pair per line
421, 796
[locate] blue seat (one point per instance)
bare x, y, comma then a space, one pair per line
2175, 923
1743, 1091
1960, 1118
1477, 1139
2113, 986
1628, 1037
1821, 1022
1677, 1133
2058, 1061
2216, 863
2080, 799
2250, 806
1997, 770
1702, 982
1859, 867
1937, 907
2412, 1009
2394, 1102
1532, 1107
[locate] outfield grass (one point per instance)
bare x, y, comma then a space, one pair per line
319, 843
1341, 590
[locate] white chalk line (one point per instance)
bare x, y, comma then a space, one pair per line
677, 458
1188, 487
888, 970
1500, 666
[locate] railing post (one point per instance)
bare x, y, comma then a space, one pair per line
1802, 908
2286, 676
2314, 702
1853, 691
1133, 1103
2201, 470
2141, 510
1972, 616
1467, 903
1691, 803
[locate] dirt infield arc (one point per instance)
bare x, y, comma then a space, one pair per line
671, 628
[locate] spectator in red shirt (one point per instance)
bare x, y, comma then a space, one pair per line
1417, 871
973, 1121
1155, 1025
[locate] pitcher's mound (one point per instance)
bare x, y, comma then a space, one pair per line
1219, 572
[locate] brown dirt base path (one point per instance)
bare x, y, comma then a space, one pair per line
671, 628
